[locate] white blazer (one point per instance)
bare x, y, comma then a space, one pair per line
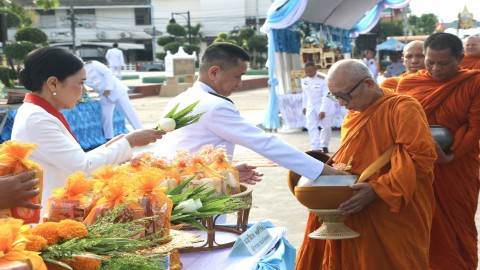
221, 124
101, 78
58, 152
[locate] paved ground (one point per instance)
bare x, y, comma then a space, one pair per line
271, 198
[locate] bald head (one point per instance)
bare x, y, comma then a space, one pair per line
413, 56
350, 69
472, 46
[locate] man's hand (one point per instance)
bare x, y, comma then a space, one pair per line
321, 115
442, 157
107, 93
16, 189
329, 170
248, 174
366, 194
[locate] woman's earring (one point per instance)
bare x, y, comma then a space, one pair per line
54, 93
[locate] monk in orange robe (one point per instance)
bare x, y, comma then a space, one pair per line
451, 98
471, 60
413, 59
393, 210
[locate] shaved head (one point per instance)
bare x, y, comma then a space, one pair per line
413, 56
472, 46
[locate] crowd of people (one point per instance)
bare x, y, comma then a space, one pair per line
417, 212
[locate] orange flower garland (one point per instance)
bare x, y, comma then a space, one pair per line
68, 229
35, 242
47, 230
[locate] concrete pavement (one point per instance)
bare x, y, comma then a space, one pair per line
272, 199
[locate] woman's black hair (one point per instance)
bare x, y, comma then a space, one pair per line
43, 63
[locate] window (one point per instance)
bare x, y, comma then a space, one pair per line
87, 11
142, 16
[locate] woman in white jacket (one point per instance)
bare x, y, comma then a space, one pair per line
56, 77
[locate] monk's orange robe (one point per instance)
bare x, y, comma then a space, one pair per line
394, 228
456, 105
392, 82
469, 62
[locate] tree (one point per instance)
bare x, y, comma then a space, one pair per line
31, 34
423, 25
224, 37
177, 37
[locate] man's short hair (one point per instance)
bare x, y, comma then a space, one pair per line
222, 54
115, 45
442, 41
309, 64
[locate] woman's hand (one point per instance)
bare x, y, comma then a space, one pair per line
16, 189
329, 170
143, 137
248, 174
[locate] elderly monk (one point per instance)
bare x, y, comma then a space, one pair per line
413, 58
393, 210
451, 98
471, 60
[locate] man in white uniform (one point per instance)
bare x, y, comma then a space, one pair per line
318, 109
112, 92
221, 69
371, 63
115, 60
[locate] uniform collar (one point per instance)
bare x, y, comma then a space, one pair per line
209, 90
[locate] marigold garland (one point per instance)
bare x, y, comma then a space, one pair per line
47, 230
35, 242
68, 229
83, 263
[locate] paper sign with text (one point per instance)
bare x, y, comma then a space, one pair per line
251, 241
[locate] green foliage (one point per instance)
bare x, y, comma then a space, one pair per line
26, 16
135, 262
190, 48
172, 47
258, 43
162, 41
18, 50
13, 20
423, 25
388, 29
7, 75
246, 33
176, 30
224, 37
47, 4
161, 55
34, 35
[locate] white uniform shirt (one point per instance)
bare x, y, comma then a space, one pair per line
114, 57
372, 66
101, 78
58, 153
315, 92
222, 124
395, 69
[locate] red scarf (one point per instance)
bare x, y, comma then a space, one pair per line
39, 101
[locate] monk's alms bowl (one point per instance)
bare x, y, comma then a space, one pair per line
442, 136
321, 197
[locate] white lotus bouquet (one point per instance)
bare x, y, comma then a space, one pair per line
175, 120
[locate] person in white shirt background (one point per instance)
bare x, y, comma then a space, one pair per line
396, 67
371, 62
115, 60
112, 93
318, 109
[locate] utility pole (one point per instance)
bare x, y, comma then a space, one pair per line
72, 24
257, 26
405, 23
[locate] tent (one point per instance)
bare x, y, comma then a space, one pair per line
333, 21
390, 44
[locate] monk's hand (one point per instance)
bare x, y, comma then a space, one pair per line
321, 115
107, 93
248, 174
329, 170
365, 195
442, 157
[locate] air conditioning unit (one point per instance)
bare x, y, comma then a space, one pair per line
125, 35
101, 35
